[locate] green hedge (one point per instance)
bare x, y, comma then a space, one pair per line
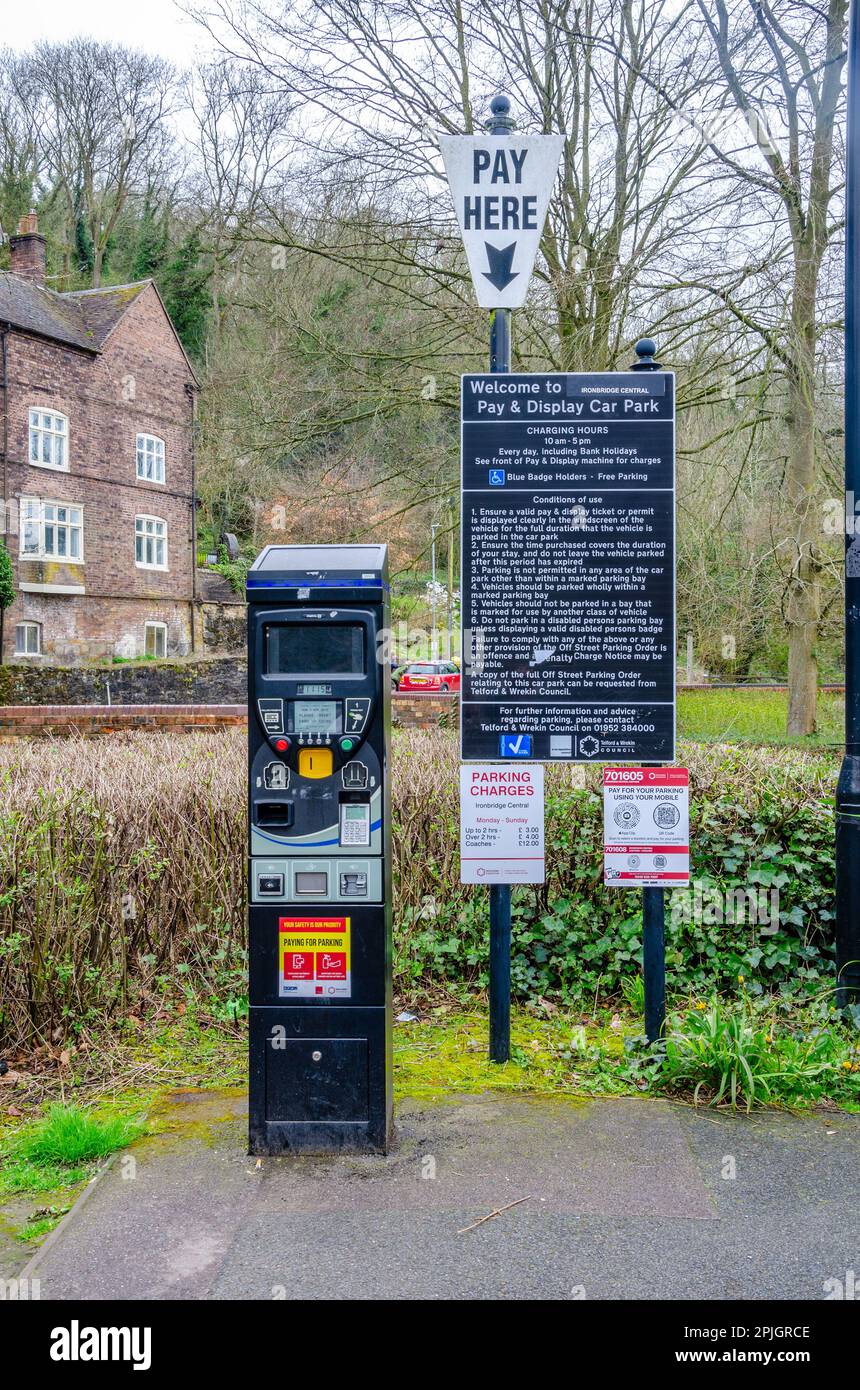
122, 879
762, 824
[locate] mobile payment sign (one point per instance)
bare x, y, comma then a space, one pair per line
646, 827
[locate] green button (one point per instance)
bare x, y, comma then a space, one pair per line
347, 744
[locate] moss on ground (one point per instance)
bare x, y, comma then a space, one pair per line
444, 1053
185, 1077
447, 1054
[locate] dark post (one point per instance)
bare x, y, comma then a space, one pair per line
653, 899
654, 961
500, 340
848, 788
500, 894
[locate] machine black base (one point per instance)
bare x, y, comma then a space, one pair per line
320, 1080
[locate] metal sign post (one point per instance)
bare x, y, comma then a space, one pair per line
653, 899
568, 576
501, 188
568, 537
500, 893
848, 790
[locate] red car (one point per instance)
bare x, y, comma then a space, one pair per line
433, 677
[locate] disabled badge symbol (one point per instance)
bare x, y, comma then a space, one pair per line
497, 477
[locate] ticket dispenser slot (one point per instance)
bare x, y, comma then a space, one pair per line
319, 850
275, 815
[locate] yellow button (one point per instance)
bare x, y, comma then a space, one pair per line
315, 762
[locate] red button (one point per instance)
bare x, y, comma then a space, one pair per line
282, 745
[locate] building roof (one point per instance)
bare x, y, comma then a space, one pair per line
81, 318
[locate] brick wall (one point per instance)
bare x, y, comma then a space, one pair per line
425, 711
33, 720
28, 721
136, 385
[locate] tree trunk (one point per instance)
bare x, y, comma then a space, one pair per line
804, 587
802, 661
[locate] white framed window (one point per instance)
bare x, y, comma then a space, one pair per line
28, 639
49, 439
155, 639
150, 458
150, 542
51, 531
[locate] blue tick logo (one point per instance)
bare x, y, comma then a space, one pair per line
515, 746
497, 477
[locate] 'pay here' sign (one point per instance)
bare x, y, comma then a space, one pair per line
501, 188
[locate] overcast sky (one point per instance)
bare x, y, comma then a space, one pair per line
157, 26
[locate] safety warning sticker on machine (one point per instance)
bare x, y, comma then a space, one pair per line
646, 826
314, 957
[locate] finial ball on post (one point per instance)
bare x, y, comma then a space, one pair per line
501, 121
646, 360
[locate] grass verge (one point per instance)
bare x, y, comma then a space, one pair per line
70, 1135
739, 1053
755, 716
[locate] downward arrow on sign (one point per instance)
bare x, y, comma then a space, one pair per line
500, 260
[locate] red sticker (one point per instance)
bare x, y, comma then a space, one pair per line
298, 965
331, 965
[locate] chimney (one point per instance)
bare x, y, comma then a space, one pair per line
27, 250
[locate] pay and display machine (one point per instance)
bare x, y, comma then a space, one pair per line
319, 869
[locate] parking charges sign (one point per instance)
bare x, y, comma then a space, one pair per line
501, 823
568, 566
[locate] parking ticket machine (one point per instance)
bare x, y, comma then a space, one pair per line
319, 885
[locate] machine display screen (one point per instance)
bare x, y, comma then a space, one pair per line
316, 717
305, 649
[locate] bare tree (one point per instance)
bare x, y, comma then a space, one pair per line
240, 144
100, 114
376, 84
781, 66
18, 159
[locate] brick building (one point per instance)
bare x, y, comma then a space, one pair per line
97, 408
